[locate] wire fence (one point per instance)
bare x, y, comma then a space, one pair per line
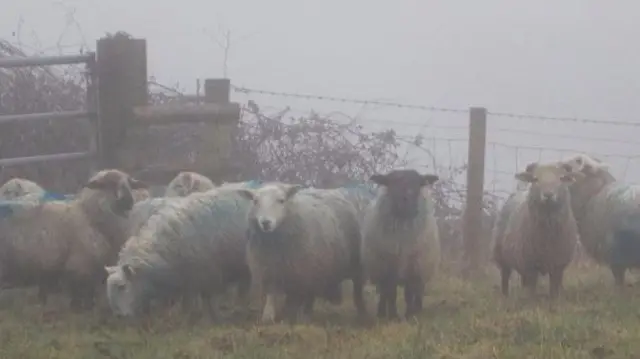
436, 138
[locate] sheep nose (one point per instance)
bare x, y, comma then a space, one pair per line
265, 224
548, 196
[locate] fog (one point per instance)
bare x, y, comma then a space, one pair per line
576, 59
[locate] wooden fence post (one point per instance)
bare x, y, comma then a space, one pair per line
217, 135
122, 73
473, 229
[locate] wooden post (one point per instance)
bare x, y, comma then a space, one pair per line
472, 231
216, 137
122, 70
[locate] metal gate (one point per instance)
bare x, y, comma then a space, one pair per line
91, 114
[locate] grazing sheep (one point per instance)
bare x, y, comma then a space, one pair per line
186, 183
541, 232
195, 245
302, 243
401, 244
68, 242
19, 187
605, 209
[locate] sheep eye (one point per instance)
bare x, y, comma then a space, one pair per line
121, 286
281, 201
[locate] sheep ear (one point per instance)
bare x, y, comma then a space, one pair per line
531, 166
246, 193
110, 270
292, 190
137, 184
525, 176
99, 183
429, 179
379, 179
128, 271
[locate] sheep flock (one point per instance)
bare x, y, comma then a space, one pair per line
285, 245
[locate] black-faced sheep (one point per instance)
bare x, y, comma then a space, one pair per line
68, 241
605, 209
193, 246
401, 244
302, 243
541, 232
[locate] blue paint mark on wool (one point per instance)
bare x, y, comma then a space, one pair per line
253, 184
52, 196
7, 208
361, 188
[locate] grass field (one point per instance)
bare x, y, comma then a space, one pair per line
461, 320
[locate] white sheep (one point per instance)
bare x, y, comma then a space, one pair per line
605, 210
192, 245
43, 243
540, 233
303, 243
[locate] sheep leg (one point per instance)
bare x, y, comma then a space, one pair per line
358, 294
555, 283
409, 300
269, 309
505, 275
413, 292
618, 275
530, 281
382, 300
210, 306
292, 305
242, 292
308, 306
392, 307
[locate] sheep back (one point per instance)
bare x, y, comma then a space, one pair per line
603, 215
195, 244
19, 187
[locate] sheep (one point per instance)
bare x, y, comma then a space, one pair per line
68, 242
188, 182
195, 245
604, 208
401, 244
303, 243
541, 233
19, 187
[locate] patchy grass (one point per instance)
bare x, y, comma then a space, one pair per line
462, 320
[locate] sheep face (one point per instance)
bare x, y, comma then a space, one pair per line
269, 207
404, 188
549, 183
124, 292
118, 186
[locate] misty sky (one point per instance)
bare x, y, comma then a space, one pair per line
563, 58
